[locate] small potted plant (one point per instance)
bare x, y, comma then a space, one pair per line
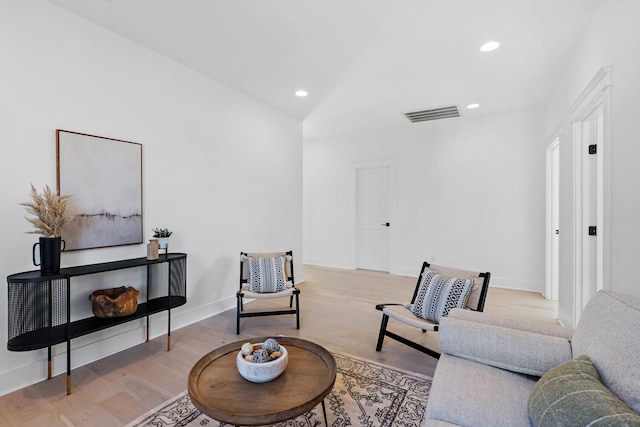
162, 235
51, 213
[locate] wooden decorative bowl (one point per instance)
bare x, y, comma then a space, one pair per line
114, 302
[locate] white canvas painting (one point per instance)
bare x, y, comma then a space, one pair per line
104, 176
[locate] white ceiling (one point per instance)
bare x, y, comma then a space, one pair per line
360, 59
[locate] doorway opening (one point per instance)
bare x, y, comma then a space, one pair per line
590, 119
553, 220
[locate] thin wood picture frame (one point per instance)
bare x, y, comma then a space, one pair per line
104, 176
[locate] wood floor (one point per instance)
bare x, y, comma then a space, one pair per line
337, 312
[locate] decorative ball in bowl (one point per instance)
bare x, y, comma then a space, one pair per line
263, 362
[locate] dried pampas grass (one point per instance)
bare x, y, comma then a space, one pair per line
50, 211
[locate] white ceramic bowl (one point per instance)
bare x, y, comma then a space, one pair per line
262, 372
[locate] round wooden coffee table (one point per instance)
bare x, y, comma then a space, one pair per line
217, 389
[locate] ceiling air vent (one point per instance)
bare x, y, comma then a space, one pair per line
433, 114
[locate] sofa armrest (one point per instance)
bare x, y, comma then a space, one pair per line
516, 350
513, 323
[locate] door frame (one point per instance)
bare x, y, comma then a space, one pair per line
355, 168
554, 144
596, 95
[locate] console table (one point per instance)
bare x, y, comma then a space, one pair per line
39, 312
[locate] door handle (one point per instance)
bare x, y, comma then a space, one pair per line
386, 224
557, 231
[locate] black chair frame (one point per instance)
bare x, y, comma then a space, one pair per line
240, 313
384, 332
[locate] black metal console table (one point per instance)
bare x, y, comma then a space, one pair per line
40, 306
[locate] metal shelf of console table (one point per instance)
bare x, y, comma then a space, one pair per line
40, 306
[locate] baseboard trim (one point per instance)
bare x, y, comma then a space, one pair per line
564, 319
406, 271
517, 284
496, 281
331, 263
96, 346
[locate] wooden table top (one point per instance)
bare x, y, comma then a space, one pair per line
217, 389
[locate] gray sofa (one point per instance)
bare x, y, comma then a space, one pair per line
490, 365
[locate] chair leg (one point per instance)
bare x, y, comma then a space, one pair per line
297, 311
238, 309
291, 301
383, 329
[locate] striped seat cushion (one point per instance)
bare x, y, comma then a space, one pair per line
267, 275
438, 294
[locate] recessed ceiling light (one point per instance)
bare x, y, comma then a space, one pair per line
472, 106
301, 93
489, 46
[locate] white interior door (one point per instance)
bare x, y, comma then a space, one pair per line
553, 225
373, 206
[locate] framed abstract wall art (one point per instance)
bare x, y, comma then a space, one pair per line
104, 176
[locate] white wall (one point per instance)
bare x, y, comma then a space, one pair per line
469, 193
612, 38
220, 169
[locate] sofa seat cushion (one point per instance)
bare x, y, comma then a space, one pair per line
572, 394
469, 393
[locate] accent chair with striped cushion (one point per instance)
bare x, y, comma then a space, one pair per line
267, 276
438, 290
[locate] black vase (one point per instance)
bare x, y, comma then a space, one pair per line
50, 248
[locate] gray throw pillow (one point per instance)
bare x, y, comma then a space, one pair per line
572, 394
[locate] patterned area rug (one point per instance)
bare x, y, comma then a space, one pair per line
365, 394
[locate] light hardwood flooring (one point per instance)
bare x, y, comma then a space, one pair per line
337, 312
